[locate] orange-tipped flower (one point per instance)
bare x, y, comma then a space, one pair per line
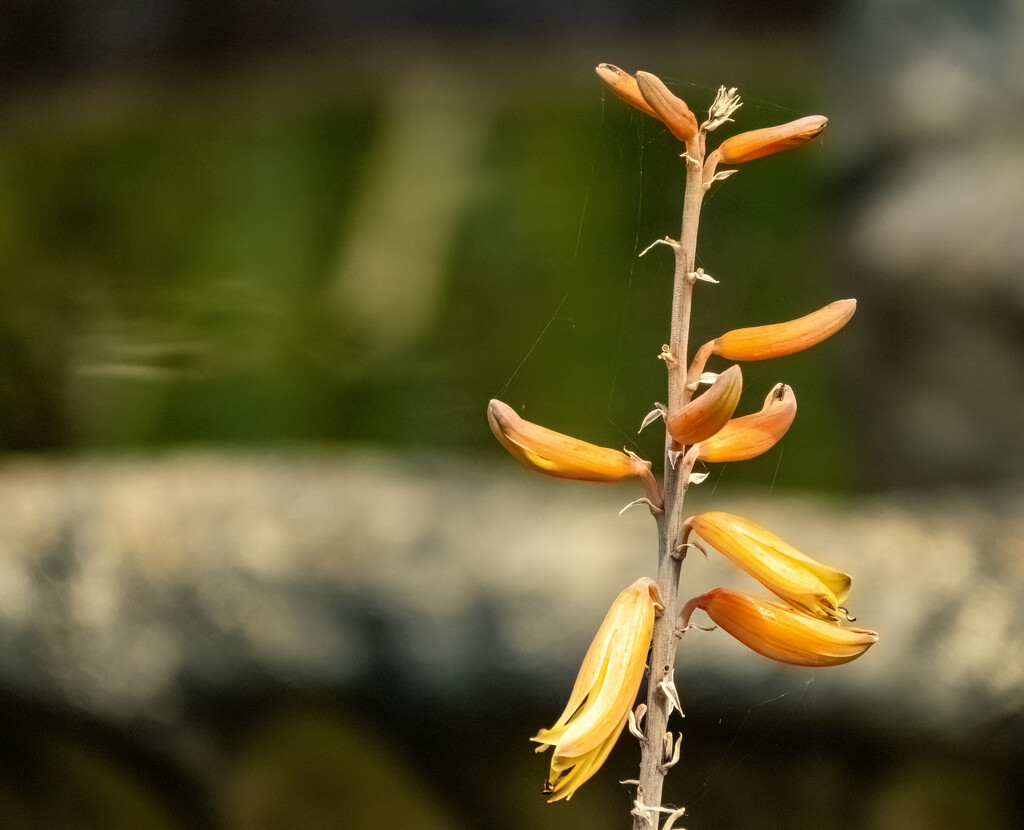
648, 94
756, 143
782, 634
624, 86
604, 691
780, 339
669, 108
705, 415
559, 455
752, 435
804, 583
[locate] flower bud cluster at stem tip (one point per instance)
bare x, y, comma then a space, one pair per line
647, 93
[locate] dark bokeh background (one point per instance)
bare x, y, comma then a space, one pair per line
309, 226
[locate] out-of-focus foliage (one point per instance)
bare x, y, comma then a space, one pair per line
372, 267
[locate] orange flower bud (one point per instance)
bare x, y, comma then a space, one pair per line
705, 415
804, 583
782, 634
559, 455
604, 690
624, 86
756, 143
672, 110
752, 435
780, 339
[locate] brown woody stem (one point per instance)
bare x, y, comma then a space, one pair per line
670, 522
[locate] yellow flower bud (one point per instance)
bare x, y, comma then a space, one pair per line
801, 581
624, 86
756, 143
782, 634
559, 455
604, 691
671, 109
752, 435
780, 339
707, 414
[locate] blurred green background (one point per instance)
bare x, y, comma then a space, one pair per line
325, 251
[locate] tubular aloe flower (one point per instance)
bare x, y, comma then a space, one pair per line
604, 691
802, 582
624, 86
752, 435
757, 143
647, 93
671, 109
781, 339
558, 455
781, 633
704, 416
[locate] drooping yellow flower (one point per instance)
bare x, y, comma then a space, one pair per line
707, 414
554, 454
757, 143
801, 581
604, 691
781, 339
782, 633
752, 435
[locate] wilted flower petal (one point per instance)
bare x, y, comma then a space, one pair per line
804, 583
604, 691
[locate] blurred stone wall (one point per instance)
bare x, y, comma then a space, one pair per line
125, 582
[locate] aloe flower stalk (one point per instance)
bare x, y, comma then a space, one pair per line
604, 691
